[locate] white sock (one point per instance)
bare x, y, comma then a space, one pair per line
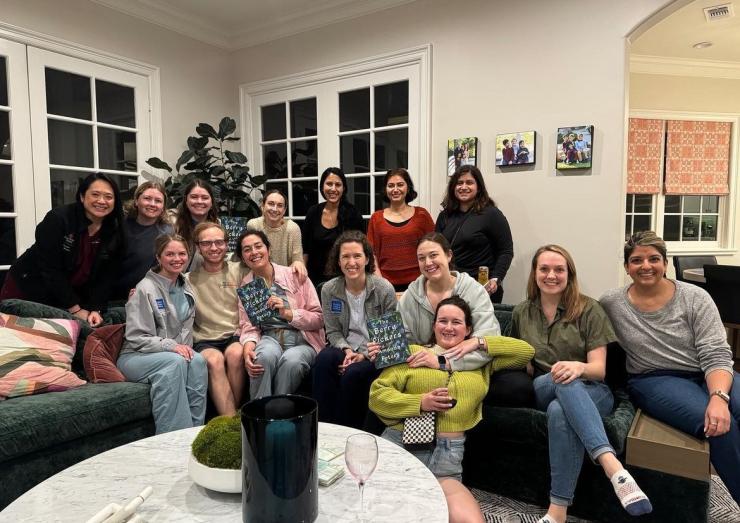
632, 498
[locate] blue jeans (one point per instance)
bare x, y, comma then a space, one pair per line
285, 365
574, 423
680, 399
342, 398
178, 386
445, 460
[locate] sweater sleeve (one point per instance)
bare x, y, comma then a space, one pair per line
355, 220
713, 351
425, 220
309, 224
508, 353
334, 330
371, 231
295, 252
141, 325
49, 240
386, 399
308, 316
499, 234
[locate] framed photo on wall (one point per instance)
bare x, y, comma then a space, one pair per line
461, 151
574, 147
515, 148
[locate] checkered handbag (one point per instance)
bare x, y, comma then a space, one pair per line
420, 432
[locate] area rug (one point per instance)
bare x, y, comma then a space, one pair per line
498, 509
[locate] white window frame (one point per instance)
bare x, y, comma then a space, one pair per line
728, 206
410, 64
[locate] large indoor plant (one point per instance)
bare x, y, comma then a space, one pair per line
207, 158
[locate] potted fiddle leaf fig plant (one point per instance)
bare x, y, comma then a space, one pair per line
207, 158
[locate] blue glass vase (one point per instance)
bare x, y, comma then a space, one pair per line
279, 460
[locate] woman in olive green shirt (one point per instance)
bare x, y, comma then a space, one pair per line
569, 332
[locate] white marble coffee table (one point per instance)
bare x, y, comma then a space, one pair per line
400, 489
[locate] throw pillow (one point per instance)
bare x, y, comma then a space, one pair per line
101, 353
36, 355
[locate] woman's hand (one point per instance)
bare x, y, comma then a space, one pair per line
372, 350
565, 372
185, 351
491, 286
278, 304
94, 319
254, 369
423, 358
300, 271
716, 417
436, 401
462, 348
350, 357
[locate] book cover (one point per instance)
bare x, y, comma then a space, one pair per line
253, 296
388, 331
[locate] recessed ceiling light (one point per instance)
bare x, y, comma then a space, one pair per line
702, 45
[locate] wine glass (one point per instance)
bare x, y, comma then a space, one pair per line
361, 457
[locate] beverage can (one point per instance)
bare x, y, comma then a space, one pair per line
482, 275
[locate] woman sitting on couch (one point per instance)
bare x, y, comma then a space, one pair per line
569, 332
427, 384
158, 347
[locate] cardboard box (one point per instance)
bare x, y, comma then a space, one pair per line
654, 445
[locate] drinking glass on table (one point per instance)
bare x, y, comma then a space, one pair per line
361, 457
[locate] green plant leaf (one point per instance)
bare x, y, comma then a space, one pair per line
206, 130
184, 158
226, 127
235, 157
232, 139
196, 143
259, 180
159, 164
218, 170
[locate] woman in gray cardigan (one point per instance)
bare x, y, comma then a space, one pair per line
344, 370
159, 338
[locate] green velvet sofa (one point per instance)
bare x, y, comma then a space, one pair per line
507, 454
43, 434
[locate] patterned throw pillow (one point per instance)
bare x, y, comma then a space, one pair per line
36, 355
101, 353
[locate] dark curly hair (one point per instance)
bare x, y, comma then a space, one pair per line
332, 262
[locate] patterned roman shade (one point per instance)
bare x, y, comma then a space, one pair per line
644, 155
697, 157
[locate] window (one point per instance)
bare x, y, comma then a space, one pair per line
681, 181
363, 118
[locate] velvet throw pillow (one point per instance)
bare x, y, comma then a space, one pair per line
101, 353
36, 355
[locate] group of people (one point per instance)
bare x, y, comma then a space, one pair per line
188, 333
575, 149
514, 152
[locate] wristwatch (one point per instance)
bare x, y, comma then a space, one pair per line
482, 345
722, 394
442, 362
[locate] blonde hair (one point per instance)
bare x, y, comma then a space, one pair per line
203, 226
572, 300
132, 211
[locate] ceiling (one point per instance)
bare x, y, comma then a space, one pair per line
235, 24
675, 35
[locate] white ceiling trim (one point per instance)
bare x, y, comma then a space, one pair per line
664, 65
164, 14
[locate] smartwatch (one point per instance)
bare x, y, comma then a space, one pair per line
442, 362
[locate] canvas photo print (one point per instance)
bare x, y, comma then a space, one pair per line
574, 147
461, 151
515, 148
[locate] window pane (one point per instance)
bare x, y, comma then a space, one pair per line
642, 222
303, 118
304, 158
392, 104
70, 144
275, 158
354, 153
710, 204
68, 94
358, 192
354, 110
379, 193
116, 149
7, 241
628, 203
305, 194
691, 204
643, 203
673, 204
64, 185
628, 227
115, 104
709, 228
672, 228
4, 135
690, 228
6, 188
283, 186
391, 149
273, 122
3, 82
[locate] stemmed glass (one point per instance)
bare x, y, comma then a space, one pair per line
361, 457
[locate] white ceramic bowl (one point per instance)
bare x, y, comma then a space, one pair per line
220, 480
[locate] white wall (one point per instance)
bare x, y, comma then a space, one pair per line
197, 84
502, 67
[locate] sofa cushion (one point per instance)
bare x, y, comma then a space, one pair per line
101, 353
503, 314
36, 355
32, 423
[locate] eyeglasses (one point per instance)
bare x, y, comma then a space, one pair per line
207, 243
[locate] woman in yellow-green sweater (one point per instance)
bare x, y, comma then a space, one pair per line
426, 383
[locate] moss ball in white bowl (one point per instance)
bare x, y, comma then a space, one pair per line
216, 457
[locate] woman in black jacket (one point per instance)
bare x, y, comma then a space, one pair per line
326, 221
75, 259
